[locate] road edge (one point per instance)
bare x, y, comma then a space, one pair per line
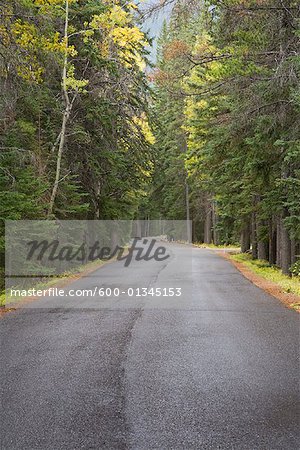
267, 286
61, 283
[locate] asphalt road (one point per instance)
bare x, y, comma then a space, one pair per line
216, 368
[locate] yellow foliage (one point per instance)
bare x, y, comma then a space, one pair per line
141, 124
117, 37
127, 36
73, 83
116, 16
53, 2
115, 29
4, 35
31, 41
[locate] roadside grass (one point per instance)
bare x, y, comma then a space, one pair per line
56, 281
233, 247
262, 268
2, 299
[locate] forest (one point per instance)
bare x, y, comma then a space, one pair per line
90, 128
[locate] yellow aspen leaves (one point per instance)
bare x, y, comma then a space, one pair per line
111, 33
114, 27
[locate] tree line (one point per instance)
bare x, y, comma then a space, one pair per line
227, 99
89, 130
75, 142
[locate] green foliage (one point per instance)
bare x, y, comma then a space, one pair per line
106, 159
295, 269
228, 79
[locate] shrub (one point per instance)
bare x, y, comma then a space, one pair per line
295, 269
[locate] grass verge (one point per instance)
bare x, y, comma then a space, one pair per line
288, 285
58, 281
232, 247
2, 299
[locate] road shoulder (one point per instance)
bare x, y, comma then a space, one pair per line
288, 299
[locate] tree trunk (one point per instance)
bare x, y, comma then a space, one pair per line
58, 161
278, 242
262, 244
285, 247
66, 116
254, 236
245, 238
207, 224
187, 205
215, 224
262, 250
272, 242
114, 238
137, 232
293, 251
